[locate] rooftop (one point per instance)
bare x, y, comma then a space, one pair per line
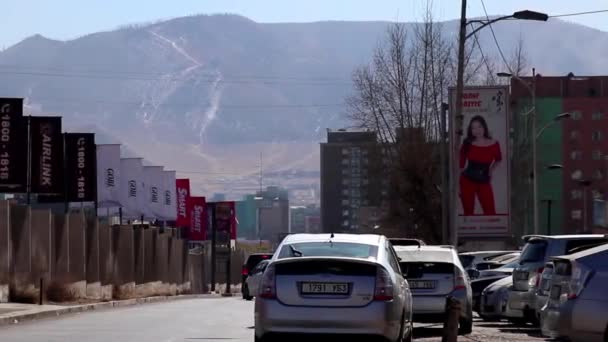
369, 239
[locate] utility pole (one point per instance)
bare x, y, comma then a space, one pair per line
445, 192
458, 123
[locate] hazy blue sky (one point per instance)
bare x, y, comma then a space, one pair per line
66, 19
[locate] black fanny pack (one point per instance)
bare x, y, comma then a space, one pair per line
477, 172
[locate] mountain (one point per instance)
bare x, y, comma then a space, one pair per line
210, 92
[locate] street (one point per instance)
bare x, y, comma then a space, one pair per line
197, 320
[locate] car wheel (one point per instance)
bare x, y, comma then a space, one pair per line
410, 335
246, 295
465, 326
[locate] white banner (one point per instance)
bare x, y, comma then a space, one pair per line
169, 196
108, 175
482, 156
131, 192
153, 185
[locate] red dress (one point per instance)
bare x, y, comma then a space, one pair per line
484, 157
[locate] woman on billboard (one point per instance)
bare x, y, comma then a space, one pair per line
479, 156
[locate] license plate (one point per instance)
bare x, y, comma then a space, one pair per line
556, 291
324, 288
422, 284
521, 276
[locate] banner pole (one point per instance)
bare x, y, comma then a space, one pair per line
28, 184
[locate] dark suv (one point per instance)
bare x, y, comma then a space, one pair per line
252, 261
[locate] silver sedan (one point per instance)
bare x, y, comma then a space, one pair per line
330, 284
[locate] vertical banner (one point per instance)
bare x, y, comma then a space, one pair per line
197, 212
225, 222
13, 146
482, 156
131, 193
108, 175
182, 187
81, 169
153, 185
169, 196
46, 148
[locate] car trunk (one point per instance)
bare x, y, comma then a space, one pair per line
327, 282
429, 278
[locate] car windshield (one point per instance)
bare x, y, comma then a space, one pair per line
512, 264
466, 260
533, 251
328, 249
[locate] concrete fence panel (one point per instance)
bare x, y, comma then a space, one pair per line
150, 253
41, 225
106, 254
59, 247
5, 250
123, 248
92, 251
21, 232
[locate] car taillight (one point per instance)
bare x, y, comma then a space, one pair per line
459, 281
384, 285
244, 270
534, 281
268, 289
580, 274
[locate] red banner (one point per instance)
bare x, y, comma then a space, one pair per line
225, 218
197, 211
183, 194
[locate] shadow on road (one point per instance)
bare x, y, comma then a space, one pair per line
428, 331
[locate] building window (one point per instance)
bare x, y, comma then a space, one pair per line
345, 161
345, 181
576, 115
576, 214
345, 151
597, 115
345, 192
596, 136
576, 194
345, 223
576, 155
345, 202
576, 175
596, 155
344, 212
597, 194
598, 174
574, 135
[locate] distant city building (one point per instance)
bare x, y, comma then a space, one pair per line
272, 207
299, 216
218, 197
350, 179
246, 213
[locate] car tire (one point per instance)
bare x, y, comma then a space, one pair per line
410, 335
465, 327
246, 295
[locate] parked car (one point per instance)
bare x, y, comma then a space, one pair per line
434, 272
478, 285
339, 284
252, 261
504, 270
406, 242
254, 278
578, 300
493, 301
471, 259
535, 254
542, 293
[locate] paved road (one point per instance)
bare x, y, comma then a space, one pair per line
209, 319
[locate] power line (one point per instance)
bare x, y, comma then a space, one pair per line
495, 39
578, 13
483, 58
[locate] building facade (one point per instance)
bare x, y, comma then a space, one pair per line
575, 147
350, 179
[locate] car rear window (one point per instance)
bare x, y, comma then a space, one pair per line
413, 270
466, 260
255, 259
575, 246
534, 251
328, 249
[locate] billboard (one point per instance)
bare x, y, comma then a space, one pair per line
481, 156
13, 146
197, 212
169, 200
225, 221
108, 175
81, 169
182, 187
46, 161
153, 185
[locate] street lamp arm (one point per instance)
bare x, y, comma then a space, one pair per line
485, 23
542, 129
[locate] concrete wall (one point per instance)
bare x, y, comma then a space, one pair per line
124, 256
41, 227
5, 250
76, 247
92, 239
150, 251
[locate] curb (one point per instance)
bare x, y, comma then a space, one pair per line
15, 319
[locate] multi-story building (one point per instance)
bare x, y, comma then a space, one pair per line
350, 179
578, 143
299, 214
272, 213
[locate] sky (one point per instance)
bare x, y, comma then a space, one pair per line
68, 19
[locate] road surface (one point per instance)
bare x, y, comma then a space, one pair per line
207, 319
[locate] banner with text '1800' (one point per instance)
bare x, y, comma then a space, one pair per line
81, 169
183, 193
13, 146
46, 146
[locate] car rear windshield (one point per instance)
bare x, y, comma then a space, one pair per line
255, 259
413, 270
328, 249
534, 251
466, 260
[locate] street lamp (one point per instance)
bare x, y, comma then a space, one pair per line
458, 117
